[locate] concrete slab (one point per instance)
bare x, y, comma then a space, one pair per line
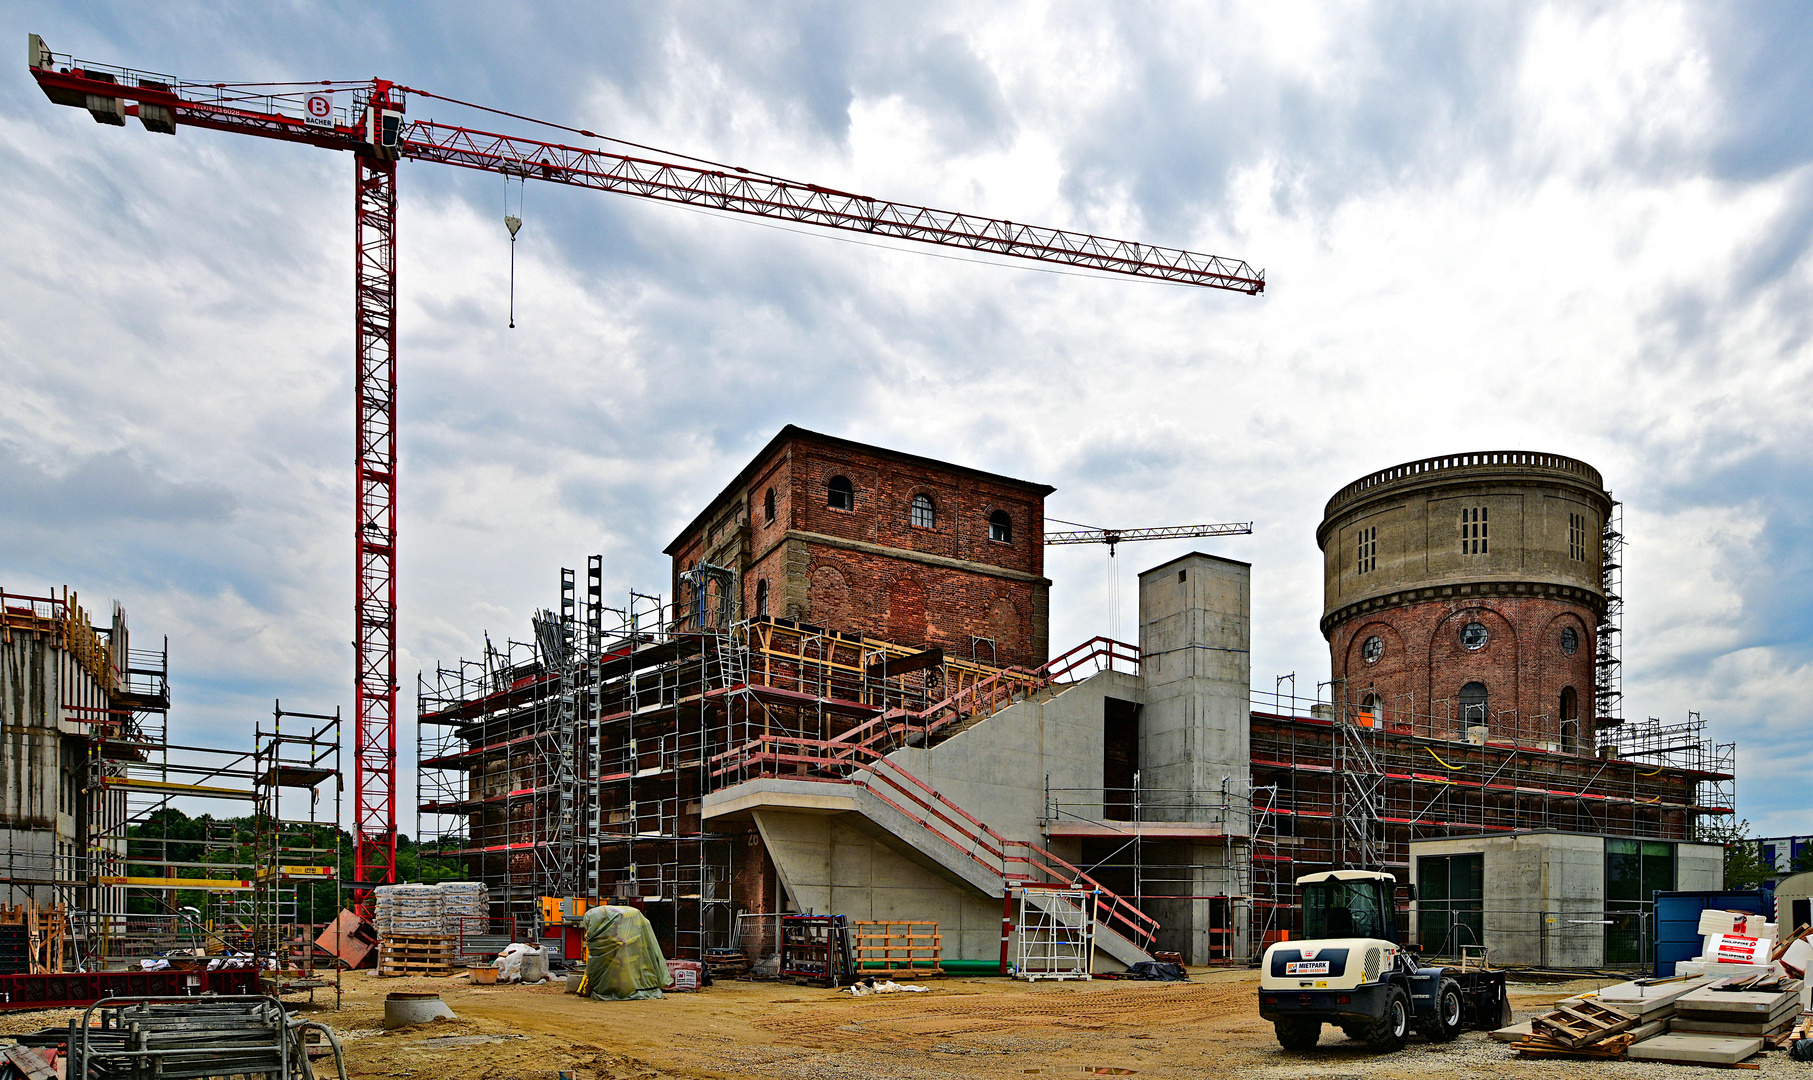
1651, 1029
1514, 1033
1694, 1049
1689, 1024
1723, 971
1646, 999
1740, 1002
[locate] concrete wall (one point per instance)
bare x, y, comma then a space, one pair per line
843, 864
1195, 617
999, 769
1544, 896
1700, 867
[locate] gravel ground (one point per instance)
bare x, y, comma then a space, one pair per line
964, 1028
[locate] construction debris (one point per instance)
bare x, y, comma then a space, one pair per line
1694, 1049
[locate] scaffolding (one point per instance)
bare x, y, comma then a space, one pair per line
1438, 775
574, 765
136, 886
297, 849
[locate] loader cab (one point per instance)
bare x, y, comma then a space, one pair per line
1348, 904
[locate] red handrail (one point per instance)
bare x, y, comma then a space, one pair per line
838, 763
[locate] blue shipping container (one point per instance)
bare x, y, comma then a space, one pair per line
1678, 921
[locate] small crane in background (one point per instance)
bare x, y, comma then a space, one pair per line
1089, 534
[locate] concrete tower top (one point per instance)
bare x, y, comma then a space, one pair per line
1501, 522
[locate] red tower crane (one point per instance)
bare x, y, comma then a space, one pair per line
375, 129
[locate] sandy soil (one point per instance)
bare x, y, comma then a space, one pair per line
962, 1028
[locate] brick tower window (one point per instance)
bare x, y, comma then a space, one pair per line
840, 494
761, 599
1473, 703
1372, 648
1473, 531
925, 515
1368, 554
1474, 636
768, 507
1570, 640
1570, 720
1000, 527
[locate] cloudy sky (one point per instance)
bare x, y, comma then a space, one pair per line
1577, 228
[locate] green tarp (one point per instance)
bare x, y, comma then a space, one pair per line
623, 959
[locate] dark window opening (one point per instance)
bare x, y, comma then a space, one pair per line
761, 599
1182, 576
840, 494
1368, 554
1000, 527
768, 507
1371, 715
1570, 721
1450, 902
1473, 531
1473, 703
1120, 757
1576, 537
925, 515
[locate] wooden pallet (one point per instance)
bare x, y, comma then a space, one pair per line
401, 954
898, 948
1536, 1046
1581, 1025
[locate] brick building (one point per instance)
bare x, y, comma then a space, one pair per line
1467, 590
873, 542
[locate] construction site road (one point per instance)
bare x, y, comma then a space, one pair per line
960, 1028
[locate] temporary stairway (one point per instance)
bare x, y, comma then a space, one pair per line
930, 823
935, 723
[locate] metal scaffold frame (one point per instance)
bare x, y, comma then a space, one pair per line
1438, 776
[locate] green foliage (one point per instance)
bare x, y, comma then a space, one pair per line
1802, 862
1744, 865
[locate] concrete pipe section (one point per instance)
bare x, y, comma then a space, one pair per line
401, 1010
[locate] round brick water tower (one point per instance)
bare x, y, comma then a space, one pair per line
1462, 596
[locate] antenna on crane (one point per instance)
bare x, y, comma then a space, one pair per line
513, 222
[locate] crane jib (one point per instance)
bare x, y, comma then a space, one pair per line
378, 133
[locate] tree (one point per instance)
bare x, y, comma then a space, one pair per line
1744, 865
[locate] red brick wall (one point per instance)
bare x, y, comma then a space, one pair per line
878, 593
1424, 664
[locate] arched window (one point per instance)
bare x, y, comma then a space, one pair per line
761, 598
925, 515
1370, 715
1570, 721
768, 507
1000, 527
1473, 704
840, 494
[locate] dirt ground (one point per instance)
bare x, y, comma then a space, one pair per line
960, 1028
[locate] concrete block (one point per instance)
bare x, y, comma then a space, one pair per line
1648, 1000
1684, 1025
1514, 1033
1739, 1002
1694, 1049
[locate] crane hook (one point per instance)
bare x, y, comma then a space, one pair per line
513, 222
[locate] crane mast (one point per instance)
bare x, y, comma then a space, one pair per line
376, 130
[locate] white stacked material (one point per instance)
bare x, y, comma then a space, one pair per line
409, 911
1735, 922
1737, 949
1797, 958
464, 907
